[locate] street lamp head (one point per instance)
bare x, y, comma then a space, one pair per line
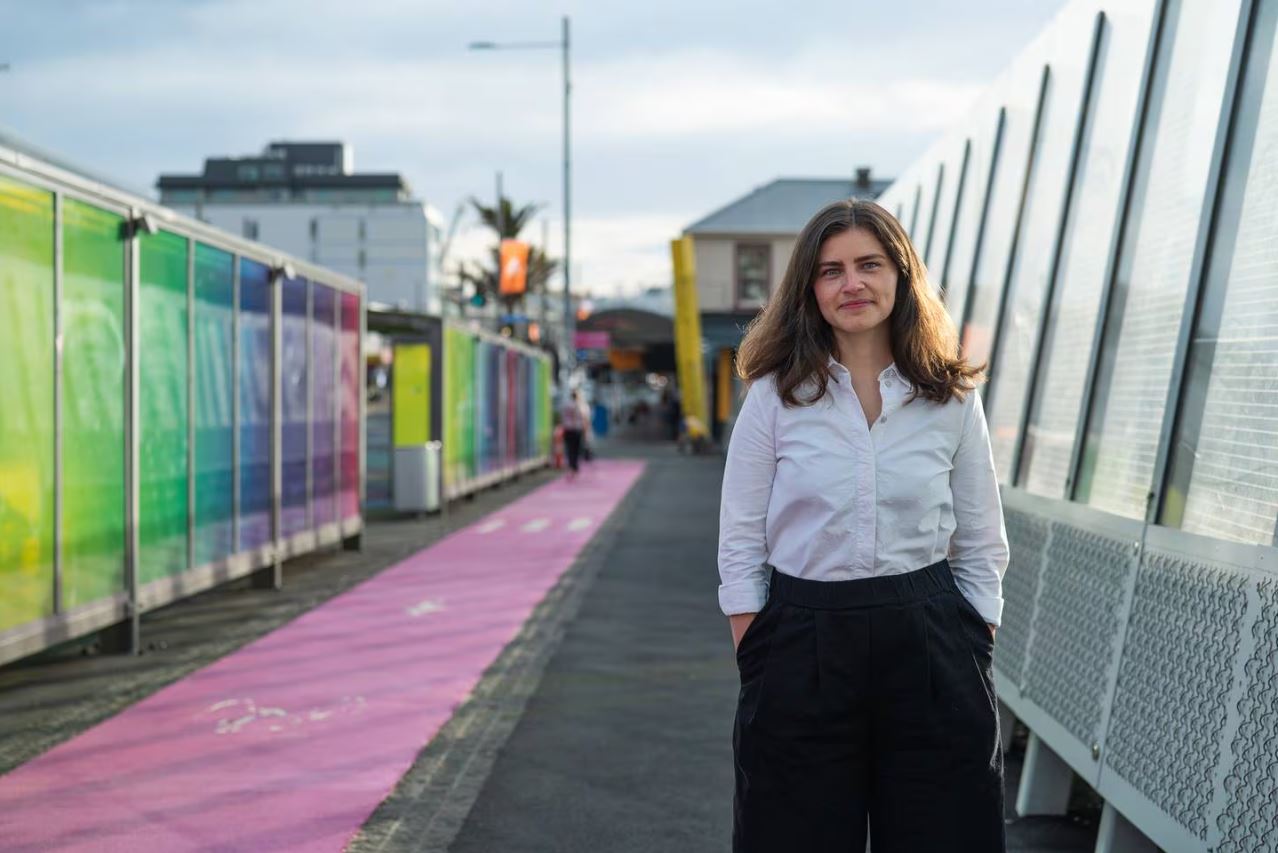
482, 45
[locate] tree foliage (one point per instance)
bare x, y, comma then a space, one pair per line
507, 223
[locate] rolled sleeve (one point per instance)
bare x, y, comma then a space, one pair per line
978, 549
743, 509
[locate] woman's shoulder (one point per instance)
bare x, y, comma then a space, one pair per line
760, 399
762, 390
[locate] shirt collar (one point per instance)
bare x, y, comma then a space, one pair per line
889, 372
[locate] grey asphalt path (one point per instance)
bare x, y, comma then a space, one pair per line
625, 744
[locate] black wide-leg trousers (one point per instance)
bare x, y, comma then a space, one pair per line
867, 699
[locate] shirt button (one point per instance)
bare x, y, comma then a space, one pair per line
888, 383
883, 419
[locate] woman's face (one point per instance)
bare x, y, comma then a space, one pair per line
855, 282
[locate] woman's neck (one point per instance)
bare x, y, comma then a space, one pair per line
868, 353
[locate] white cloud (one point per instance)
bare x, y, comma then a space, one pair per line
705, 94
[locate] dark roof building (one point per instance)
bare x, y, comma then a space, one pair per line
285, 172
785, 205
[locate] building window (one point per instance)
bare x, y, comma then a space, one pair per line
247, 173
754, 261
250, 229
179, 196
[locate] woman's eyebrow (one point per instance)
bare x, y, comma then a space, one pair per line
824, 264
874, 257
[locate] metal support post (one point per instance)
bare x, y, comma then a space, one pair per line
128, 639
1045, 781
58, 405
570, 351
1117, 835
273, 576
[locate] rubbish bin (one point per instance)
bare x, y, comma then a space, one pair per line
416, 477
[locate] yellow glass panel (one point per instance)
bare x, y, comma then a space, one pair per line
411, 406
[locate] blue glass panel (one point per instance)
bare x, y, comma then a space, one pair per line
255, 404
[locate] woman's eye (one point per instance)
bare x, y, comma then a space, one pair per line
872, 265
829, 273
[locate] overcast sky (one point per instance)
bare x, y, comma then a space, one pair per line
679, 106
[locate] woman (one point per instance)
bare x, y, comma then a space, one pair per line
859, 462
572, 417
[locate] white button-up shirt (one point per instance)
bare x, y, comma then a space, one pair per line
817, 493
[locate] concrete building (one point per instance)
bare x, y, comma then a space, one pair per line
306, 199
741, 251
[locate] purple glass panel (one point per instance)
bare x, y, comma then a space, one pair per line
323, 404
294, 377
352, 388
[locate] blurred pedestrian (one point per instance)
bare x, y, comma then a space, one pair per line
861, 553
573, 418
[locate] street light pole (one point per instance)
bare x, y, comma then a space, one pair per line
570, 346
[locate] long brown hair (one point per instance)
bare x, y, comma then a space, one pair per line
792, 339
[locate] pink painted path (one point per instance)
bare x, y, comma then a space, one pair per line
291, 742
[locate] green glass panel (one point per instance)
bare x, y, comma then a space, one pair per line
452, 427
547, 413
93, 357
459, 429
162, 406
26, 403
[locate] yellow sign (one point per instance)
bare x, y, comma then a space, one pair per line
410, 406
688, 339
514, 267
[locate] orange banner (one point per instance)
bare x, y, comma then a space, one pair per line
514, 267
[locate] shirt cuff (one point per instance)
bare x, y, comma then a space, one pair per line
990, 608
744, 596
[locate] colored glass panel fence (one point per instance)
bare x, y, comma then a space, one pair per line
203, 428
26, 403
497, 408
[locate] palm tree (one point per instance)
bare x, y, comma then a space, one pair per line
507, 221
511, 221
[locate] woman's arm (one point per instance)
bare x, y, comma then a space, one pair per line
743, 510
978, 548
